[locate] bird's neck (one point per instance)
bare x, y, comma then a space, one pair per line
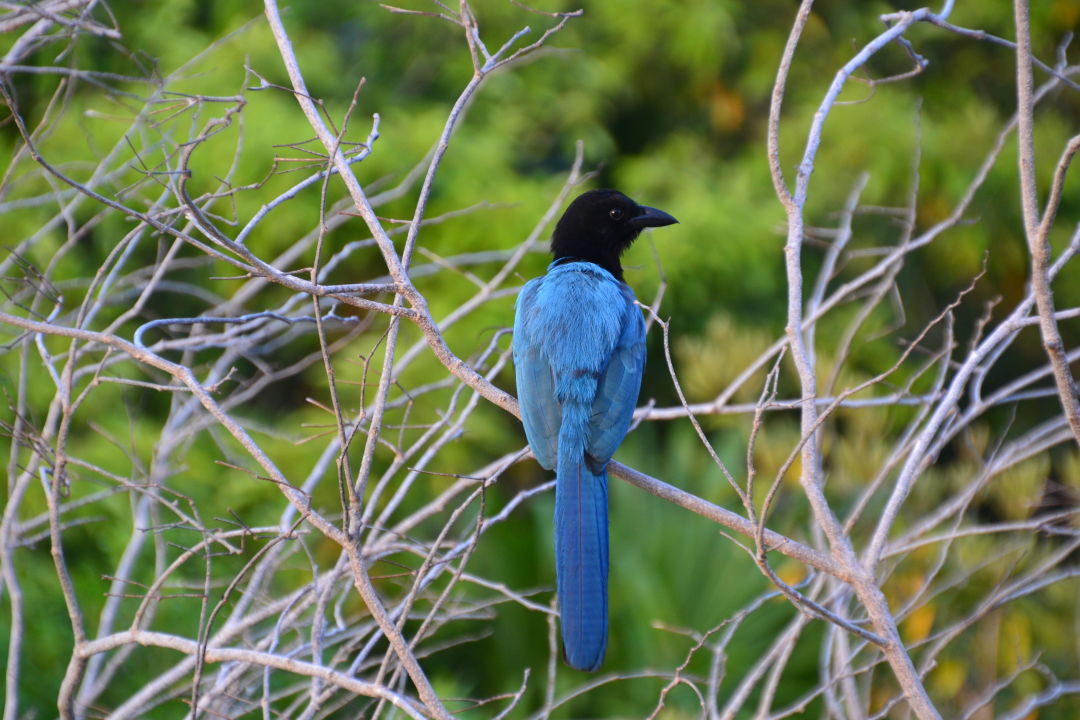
611, 264
613, 268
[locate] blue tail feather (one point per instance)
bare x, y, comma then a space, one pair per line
581, 551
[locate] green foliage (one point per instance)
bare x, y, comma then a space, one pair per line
670, 100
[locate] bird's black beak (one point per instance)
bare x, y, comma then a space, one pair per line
651, 217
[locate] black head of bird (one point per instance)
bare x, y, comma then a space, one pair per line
599, 225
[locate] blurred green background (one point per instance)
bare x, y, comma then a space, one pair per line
670, 100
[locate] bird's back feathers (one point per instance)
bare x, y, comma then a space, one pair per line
579, 350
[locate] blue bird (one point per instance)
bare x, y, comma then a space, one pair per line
579, 354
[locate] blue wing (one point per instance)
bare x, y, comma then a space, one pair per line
617, 392
540, 411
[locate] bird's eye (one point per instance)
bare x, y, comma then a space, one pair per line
615, 213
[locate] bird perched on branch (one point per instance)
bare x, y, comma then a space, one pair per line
579, 353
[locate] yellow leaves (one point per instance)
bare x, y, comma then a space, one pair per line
1070, 470
1066, 13
917, 625
1015, 641
999, 650
948, 677
903, 586
1016, 492
772, 449
791, 572
977, 440
858, 449
901, 590
727, 111
709, 363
